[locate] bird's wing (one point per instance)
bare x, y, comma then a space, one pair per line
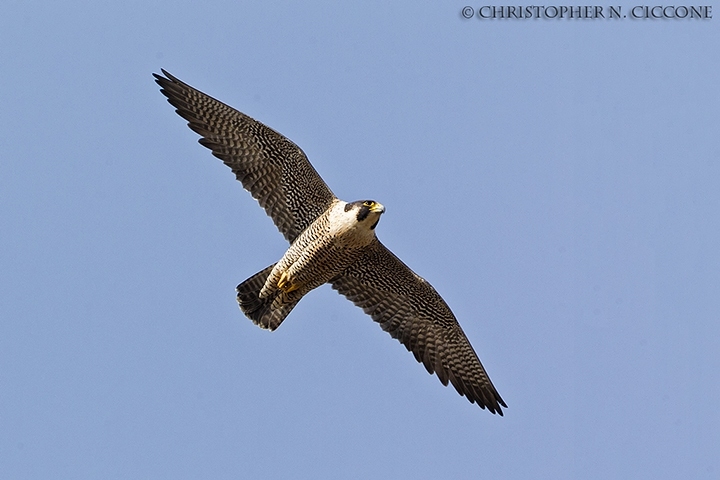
410, 310
272, 168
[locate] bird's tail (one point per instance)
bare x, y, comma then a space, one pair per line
265, 312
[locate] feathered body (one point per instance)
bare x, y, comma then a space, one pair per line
320, 253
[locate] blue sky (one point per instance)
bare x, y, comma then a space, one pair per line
555, 180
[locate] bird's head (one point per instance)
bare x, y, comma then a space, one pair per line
367, 212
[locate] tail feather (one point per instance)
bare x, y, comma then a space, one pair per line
261, 310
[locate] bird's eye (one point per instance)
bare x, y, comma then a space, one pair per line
369, 203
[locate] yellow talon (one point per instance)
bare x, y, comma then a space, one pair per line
285, 285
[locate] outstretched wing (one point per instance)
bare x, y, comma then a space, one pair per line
272, 168
410, 310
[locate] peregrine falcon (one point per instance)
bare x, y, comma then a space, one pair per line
331, 241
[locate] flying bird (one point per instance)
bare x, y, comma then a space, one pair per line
331, 241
